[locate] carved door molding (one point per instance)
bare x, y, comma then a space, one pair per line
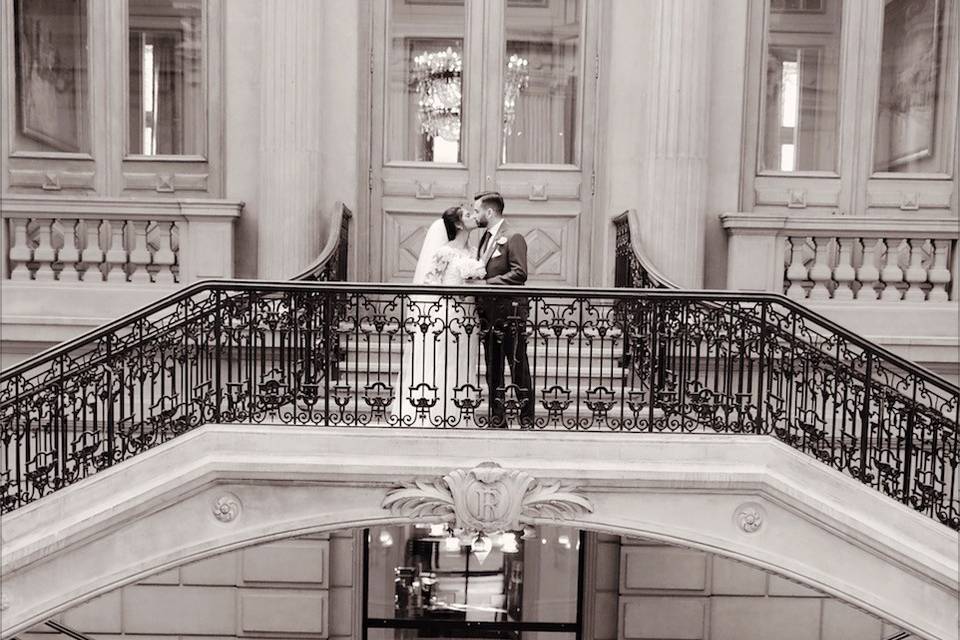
549, 203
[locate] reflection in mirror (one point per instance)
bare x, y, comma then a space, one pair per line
166, 106
424, 107
51, 76
425, 572
914, 121
801, 87
541, 83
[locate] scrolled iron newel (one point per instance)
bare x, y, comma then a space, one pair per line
347, 354
331, 265
632, 268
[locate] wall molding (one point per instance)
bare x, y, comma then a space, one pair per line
154, 512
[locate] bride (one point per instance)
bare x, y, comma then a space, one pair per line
440, 351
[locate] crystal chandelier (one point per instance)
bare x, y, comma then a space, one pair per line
515, 80
438, 77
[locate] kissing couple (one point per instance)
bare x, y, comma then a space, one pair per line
439, 368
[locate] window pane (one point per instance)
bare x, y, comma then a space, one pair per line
801, 82
425, 81
914, 122
167, 111
419, 573
51, 72
541, 83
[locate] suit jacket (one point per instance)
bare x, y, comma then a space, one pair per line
508, 268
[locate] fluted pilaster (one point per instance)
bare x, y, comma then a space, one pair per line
290, 218
678, 120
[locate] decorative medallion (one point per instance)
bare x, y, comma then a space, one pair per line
749, 517
486, 499
226, 508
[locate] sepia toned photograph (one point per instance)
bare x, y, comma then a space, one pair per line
479, 319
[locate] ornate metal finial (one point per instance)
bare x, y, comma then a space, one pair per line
486, 499
226, 508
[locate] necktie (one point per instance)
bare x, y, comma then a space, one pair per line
483, 243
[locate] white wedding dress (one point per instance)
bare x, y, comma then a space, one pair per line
440, 358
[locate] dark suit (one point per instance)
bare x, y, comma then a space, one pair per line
503, 323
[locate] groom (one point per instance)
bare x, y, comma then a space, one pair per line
503, 319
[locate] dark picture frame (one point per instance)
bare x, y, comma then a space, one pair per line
907, 106
50, 41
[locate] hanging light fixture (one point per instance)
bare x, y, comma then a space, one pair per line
515, 80
508, 542
438, 76
481, 547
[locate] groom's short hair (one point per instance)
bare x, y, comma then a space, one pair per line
491, 199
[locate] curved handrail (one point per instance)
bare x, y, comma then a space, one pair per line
278, 286
629, 245
238, 351
633, 264
326, 268
331, 265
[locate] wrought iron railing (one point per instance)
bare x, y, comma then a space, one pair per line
373, 354
331, 265
632, 268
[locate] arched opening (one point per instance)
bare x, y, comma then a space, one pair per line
223, 489
398, 581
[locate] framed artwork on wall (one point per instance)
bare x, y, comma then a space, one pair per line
50, 39
908, 83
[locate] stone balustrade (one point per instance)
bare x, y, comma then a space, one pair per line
100, 241
70, 264
844, 258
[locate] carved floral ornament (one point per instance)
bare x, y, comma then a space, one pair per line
226, 508
486, 499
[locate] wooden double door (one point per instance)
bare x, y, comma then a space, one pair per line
475, 95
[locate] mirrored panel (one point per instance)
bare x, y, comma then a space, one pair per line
425, 70
801, 87
426, 573
167, 115
914, 120
541, 82
51, 76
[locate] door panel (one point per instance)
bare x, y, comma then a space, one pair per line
526, 125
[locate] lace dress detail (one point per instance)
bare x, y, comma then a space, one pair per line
440, 370
453, 267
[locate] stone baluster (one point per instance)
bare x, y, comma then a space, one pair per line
939, 273
891, 274
820, 272
92, 254
116, 254
916, 273
69, 254
44, 255
164, 256
797, 271
844, 273
868, 274
139, 253
20, 250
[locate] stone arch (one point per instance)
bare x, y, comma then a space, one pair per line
226, 487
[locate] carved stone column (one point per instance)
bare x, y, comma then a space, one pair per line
289, 222
677, 133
